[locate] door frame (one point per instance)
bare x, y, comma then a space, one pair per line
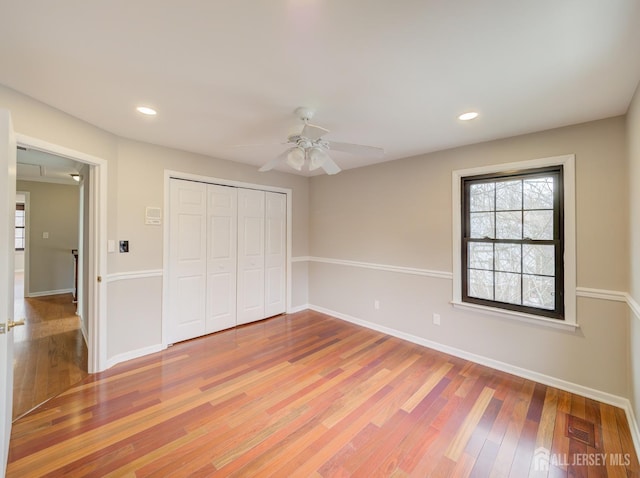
171, 174
97, 254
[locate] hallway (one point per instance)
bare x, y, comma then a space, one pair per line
50, 354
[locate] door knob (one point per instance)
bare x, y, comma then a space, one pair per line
11, 324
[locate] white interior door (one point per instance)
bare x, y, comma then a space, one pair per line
187, 260
251, 207
275, 253
222, 245
7, 248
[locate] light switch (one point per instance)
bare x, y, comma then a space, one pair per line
111, 245
45, 235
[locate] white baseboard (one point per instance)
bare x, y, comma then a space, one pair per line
633, 425
50, 292
83, 329
298, 308
605, 397
116, 359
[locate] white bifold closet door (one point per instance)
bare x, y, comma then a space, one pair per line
187, 260
275, 253
227, 257
222, 240
250, 255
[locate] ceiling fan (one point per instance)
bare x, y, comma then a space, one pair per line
308, 147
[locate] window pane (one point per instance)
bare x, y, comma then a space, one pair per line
538, 259
19, 233
538, 224
508, 257
508, 287
482, 224
480, 255
509, 225
538, 291
509, 195
480, 284
481, 197
19, 243
538, 193
19, 218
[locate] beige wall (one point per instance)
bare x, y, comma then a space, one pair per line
399, 213
136, 180
53, 208
140, 180
396, 213
633, 141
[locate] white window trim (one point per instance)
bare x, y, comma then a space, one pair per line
568, 183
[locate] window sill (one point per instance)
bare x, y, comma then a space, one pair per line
508, 314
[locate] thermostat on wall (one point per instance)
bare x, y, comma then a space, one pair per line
152, 216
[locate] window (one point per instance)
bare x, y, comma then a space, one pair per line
20, 227
514, 243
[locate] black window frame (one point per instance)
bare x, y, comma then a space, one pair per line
558, 240
20, 207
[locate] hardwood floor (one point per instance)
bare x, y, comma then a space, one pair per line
309, 395
49, 352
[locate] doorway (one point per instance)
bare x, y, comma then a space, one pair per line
92, 260
50, 350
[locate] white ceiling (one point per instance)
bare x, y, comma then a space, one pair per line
381, 73
36, 165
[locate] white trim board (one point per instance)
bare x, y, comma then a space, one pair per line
602, 294
548, 380
133, 354
379, 267
118, 276
634, 306
50, 292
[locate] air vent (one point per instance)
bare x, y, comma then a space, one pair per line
581, 430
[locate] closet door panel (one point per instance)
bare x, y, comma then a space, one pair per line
250, 294
187, 260
222, 210
275, 253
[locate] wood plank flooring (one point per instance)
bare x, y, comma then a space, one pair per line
49, 351
312, 396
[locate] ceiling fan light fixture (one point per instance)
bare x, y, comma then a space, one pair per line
317, 157
295, 158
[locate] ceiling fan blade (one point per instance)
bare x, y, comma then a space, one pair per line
313, 132
329, 166
274, 162
351, 148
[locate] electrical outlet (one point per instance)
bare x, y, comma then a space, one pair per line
376, 304
436, 319
124, 246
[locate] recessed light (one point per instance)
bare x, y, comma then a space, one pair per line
468, 116
145, 110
